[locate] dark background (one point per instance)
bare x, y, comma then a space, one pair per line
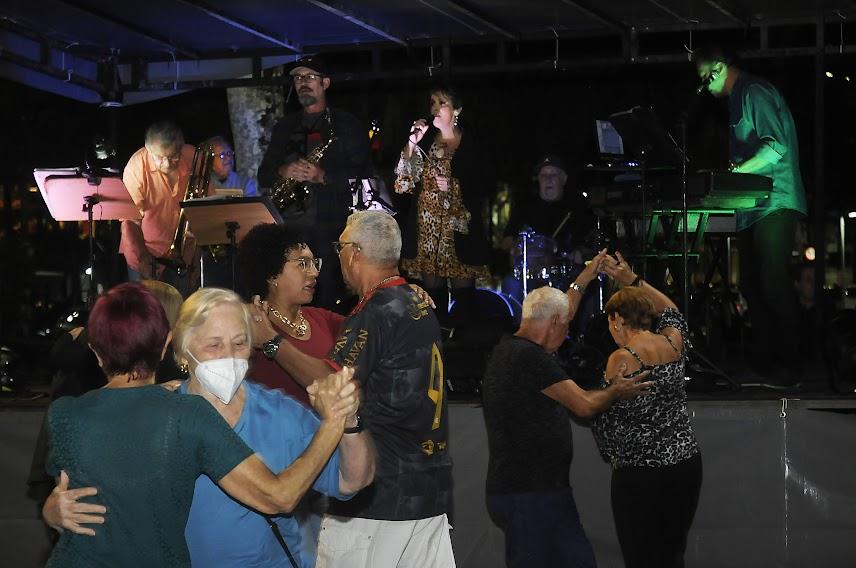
517, 117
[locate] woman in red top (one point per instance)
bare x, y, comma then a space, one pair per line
279, 267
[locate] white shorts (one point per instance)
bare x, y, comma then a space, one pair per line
368, 543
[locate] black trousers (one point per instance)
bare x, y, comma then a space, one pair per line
765, 280
653, 508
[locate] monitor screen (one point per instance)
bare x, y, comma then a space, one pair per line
608, 139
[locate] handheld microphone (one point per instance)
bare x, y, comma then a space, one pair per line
710, 78
414, 130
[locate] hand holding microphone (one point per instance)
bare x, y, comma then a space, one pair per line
418, 130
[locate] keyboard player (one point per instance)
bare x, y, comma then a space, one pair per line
763, 140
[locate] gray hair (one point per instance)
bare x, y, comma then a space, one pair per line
164, 133
544, 303
378, 235
194, 311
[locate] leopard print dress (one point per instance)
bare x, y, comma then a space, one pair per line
440, 215
652, 430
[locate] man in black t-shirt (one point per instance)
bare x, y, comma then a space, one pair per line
392, 338
526, 394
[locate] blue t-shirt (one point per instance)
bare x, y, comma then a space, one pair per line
222, 532
236, 181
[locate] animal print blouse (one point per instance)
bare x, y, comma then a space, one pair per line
651, 430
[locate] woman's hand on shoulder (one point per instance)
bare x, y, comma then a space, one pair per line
423, 295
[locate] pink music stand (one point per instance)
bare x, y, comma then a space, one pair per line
72, 195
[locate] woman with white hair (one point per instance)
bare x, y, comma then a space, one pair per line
213, 338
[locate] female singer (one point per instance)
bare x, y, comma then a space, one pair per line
444, 239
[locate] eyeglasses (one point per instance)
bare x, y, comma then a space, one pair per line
161, 159
224, 155
306, 78
304, 263
338, 246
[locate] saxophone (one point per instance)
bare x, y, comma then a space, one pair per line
288, 191
197, 186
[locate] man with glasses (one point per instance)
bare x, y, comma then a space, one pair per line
392, 339
763, 141
223, 174
216, 267
293, 138
156, 177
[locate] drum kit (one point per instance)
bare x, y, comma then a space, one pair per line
538, 261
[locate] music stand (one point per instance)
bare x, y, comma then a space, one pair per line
72, 194
225, 220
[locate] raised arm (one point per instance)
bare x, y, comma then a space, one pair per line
577, 289
619, 270
357, 455
253, 484
303, 368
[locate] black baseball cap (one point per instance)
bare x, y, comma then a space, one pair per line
312, 63
550, 160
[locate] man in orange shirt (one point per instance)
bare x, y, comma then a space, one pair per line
156, 177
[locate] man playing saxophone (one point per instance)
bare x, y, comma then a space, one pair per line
322, 216
156, 177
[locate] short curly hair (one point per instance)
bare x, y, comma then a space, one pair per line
262, 253
634, 305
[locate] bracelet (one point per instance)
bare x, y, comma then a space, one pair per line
637, 282
575, 286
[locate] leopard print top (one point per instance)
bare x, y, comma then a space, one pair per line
652, 430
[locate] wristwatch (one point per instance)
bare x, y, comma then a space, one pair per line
355, 429
271, 346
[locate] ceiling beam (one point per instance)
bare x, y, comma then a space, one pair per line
667, 10
241, 25
328, 7
66, 75
596, 14
455, 6
138, 30
728, 13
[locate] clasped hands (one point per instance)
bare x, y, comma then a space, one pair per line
613, 266
302, 170
336, 397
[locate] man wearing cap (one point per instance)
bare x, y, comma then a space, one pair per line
347, 157
553, 212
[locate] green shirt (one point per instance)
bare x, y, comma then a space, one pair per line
143, 449
761, 124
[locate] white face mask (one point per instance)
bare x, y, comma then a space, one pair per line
221, 377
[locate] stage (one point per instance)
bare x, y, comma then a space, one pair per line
779, 486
